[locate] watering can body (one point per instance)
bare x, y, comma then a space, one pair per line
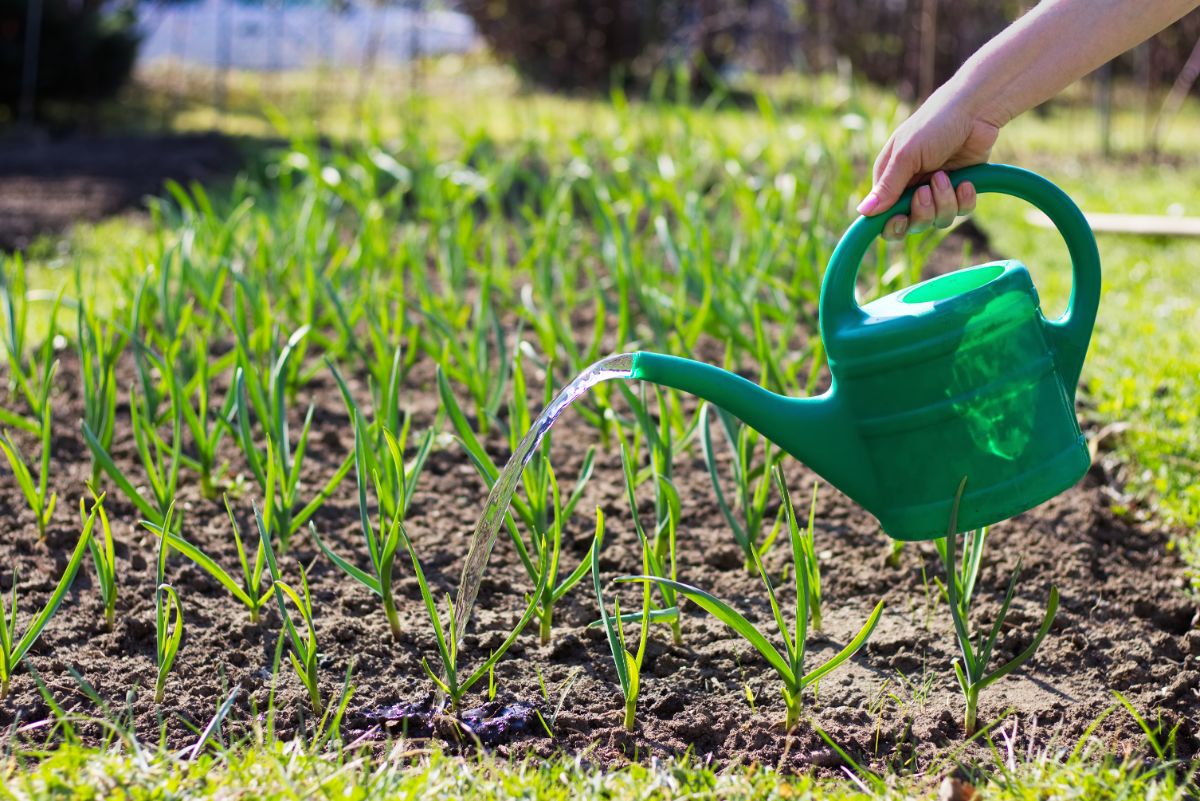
960, 376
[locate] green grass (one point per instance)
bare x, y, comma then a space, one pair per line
724, 192
287, 772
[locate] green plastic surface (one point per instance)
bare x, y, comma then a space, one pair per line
959, 376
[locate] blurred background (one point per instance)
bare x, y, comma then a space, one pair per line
63, 59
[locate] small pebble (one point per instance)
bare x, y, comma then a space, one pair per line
956, 790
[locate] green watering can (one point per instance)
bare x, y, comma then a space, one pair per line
958, 376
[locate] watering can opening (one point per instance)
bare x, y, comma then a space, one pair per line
952, 284
959, 376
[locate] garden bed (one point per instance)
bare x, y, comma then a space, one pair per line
1125, 622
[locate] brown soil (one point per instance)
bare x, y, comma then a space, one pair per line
1124, 624
46, 185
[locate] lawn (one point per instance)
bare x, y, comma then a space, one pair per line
330, 356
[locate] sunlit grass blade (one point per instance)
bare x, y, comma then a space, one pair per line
104, 557
248, 591
972, 670
168, 610
13, 648
303, 651
628, 665
730, 617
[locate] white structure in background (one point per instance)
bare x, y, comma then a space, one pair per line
277, 36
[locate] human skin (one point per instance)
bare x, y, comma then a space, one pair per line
1029, 62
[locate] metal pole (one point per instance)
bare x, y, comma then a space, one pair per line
223, 53
414, 46
1174, 101
928, 63
29, 74
1104, 96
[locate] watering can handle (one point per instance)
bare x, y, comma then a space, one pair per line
1069, 334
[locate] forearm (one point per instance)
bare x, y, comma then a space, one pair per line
1055, 44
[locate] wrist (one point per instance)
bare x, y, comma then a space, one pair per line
970, 96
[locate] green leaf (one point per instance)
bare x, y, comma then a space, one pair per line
206, 563
730, 617
710, 462
850, 650
56, 598
610, 627
361, 576
127, 489
1027, 654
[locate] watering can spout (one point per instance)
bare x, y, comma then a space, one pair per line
815, 430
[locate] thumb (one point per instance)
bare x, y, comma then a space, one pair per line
892, 178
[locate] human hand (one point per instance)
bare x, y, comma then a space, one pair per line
940, 136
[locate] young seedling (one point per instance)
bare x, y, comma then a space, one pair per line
14, 303
971, 671
104, 557
543, 511
303, 653
206, 428
248, 591
278, 470
160, 460
381, 545
168, 611
790, 665
98, 348
660, 472
466, 341
32, 378
13, 648
395, 481
807, 545
628, 665
751, 481
669, 612
37, 493
450, 683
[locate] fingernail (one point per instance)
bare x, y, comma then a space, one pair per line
924, 196
942, 180
899, 226
868, 204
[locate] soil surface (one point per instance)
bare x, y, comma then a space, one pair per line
46, 185
1125, 622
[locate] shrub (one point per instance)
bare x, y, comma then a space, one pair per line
85, 53
589, 44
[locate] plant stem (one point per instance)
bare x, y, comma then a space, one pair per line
314, 692
972, 710
547, 618
793, 713
630, 713
389, 609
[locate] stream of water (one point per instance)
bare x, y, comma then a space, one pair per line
619, 366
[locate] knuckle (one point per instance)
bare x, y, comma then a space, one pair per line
905, 153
